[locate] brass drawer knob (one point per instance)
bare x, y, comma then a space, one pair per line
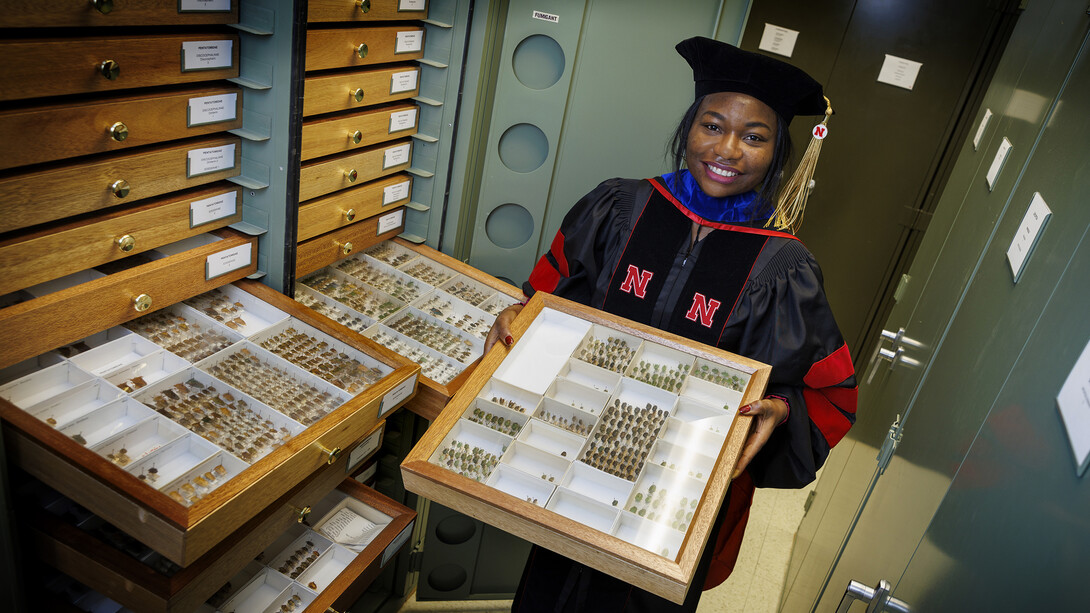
365, 5
120, 188
119, 131
141, 303
301, 514
357, 94
126, 243
350, 214
103, 6
356, 137
345, 248
110, 69
332, 454
361, 50
351, 175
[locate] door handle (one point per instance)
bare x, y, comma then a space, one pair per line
878, 599
895, 354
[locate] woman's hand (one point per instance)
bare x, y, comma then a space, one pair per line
501, 328
769, 413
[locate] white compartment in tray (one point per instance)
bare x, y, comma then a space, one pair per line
501, 419
108, 420
389, 252
577, 396
468, 290
241, 311
652, 536
301, 548
451, 341
114, 355
470, 435
383, 277
172, 460
699, 440
43, 385
297, 595
443, 307
337, 311
28, 366
542, 351
74, 403
65, 282
666, 496
721, 375
590, 376
378, 369
640, 394
259, 594
703, 416
626, 348
188, 333
653, 361
433, 364
536, 463
233, 586
333, 524
146, 437
551, 439
199, 481
501, 393
521, 485
326, 568
711, 394
565, 416
597, 485
90, 342
682, 459
429, 271
353, 293
496, 304
147, 370
582, 509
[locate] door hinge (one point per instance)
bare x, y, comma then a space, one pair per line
416, 558
889, 445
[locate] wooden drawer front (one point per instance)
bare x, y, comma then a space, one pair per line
325, 176
73, 13
352, 205
80, 65
57, 132
343, 92
324, 250
342, 48
55, 252
349, 132
33, 327
72, 189
366, 10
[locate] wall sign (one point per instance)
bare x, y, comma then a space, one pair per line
899, 72
1025, 239
998, 162
778, 40
546, 17
980, 129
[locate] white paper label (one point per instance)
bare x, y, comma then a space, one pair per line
403, 81
397, 395
350, 529
1074, 404
206, 54
980, 129
395, 193
204, 161
210, 209
397, 543
204, 6
412, 5
778, 40
546, 17
997, 163
213, 109
363, 450
395, 156
402, 120
899, 72
1033, 222
390, 221
409, 41
227, 260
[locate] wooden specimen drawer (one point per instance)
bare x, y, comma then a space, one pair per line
352, 90
324, 176
365, 10
341, 133
323, 250
111, 180
58, 250
246, 485
363, 46
97, 64
66, 13
347, 206
54, 132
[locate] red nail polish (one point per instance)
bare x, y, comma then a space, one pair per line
745, 409
508, 340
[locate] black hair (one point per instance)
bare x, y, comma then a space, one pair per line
781, 153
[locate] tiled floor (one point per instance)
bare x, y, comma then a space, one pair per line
758, 578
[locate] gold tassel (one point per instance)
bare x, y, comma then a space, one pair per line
792, 202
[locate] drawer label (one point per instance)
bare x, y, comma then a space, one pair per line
404, 81
204, 161
212, 109
395, 156
412, 5
204, 6
390, 221
227, 261
210, 209
397, 395
396, 544
206, 55
364, 449
396, 193
402, 120
409, 41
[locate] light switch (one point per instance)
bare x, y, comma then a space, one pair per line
980, 129
997, 163
1029, 231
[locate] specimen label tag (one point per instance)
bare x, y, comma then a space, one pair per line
395, 193
395, 156
412, 5
395, 396
404, 81
364, 449
227, 261
204, 6
390, 221
204, 161
206, 54
409, 41
208, 210
212, 109
394, 546
402, 120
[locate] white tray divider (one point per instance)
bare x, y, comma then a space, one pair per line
539, 354
147, 370
666, 496
551, 439
532, 461
698, 439
561, 415
585, 510
501, 419
468, 290
433, 364
517, 483
166, 464
326, 568
608, 349
184, 331
652, 536
590, 375
383, 277
107, 421
353, 293
682, 459
391, 253
453, 311
509, 396
201, 480
660, 366
104, 360
577, 396
59, 410
139, 441
445, 338
332, 309
428, 271
597, 485
236, 309
38, 387
471, 450
497, 303
259, 594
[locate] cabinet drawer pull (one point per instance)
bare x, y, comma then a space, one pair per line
346, 247
126, 243
351, 175
361, 50
350, 215
331, 454
103, 6
141, 303
119, 131
120, 188
357, 94
301, 514
365, 5
110, 69
356, 137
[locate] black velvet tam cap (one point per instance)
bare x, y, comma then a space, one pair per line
719, 67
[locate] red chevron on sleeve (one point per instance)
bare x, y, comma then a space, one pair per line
830, 405
557, 249
545, 276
